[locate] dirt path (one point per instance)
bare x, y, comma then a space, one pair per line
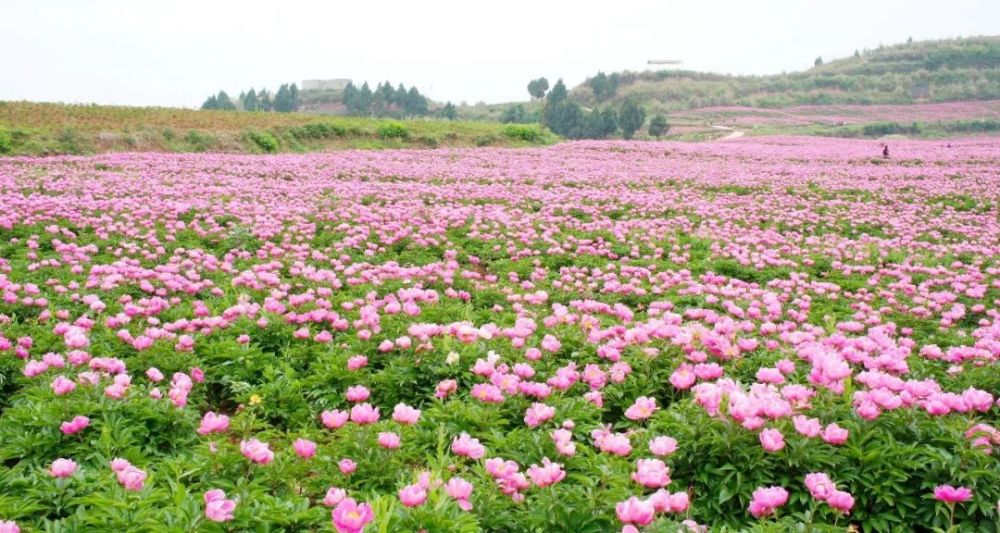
733, 134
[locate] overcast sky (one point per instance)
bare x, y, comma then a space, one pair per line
144, 52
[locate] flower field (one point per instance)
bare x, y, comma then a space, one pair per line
778, 334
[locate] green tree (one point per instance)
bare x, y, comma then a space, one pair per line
558, 93
538, 87
601, 86
293, 97
265, 103
364, 100
282, 99
449, 112
250, 101
399, 98
598, 125
658, 125
415, 105
224, 102
348, 97
818, 62
630, 118
382, 98
514, 114
210, 103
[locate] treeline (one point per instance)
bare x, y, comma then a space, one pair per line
569, 119
285, 100
386, 101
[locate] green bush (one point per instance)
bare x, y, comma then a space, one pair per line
318, 130
265, 141
199, 141
392, 130
6, 141
522, 132
486, 140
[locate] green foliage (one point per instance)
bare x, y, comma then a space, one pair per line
449, 112
392, 130
658, 125
515, 114
250, 102
6, 141
386, 101
631, 117
538, 87
264, 140
223, 102
523, 132
318, 130
199, 141
604, 86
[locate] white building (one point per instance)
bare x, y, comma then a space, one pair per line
324, 85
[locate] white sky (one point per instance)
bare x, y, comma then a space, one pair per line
143, 52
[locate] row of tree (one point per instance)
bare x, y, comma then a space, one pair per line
285, 100
568, 119
385, 101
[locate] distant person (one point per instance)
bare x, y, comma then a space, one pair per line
885, 152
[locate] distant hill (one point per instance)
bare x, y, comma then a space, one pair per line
916, 72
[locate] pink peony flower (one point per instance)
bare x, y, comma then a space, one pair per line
412, 495
78, 424
820, 486
834, 434
662, 446
131, 478
951, 495
635, 511
548, 474
651, 473
62, 386
841, 501
349, 517
766, 500
460, 489
357, 393
467, 446
9, 526
334, 419
304, 448
538, 413
256, 451
357, 362
217, 507
363, 414
62, 468
406, 415
334, 496
347, 466
683, 377
643, 408
213, 423
388, 440
808, 427
772, 440
154, 374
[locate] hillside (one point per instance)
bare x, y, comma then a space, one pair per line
47, 129
919, 72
